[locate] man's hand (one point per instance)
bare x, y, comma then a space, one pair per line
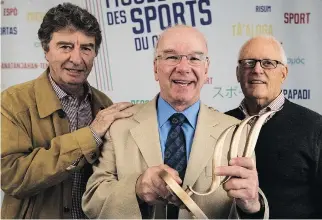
243, 184
152, 189
107, 116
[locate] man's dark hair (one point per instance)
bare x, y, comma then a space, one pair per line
67, 15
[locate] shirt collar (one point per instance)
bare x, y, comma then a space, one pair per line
275, 105
165, 111
61, 94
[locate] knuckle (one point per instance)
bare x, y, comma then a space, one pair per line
225, 186
233, 183
250, 194
230, 194
240, 171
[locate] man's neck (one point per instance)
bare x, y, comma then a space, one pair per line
75, 91
255, 105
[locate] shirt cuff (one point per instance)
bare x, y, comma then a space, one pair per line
97, 138
256, 215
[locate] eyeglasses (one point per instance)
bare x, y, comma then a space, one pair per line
265, 63
174, 59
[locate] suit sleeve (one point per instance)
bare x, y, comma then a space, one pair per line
27, 168
107, 195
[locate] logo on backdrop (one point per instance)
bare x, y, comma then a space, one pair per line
263, 8
296, 61
9, 30
151, 16
229, 92
251, 30
297, 93
139, 101
209, 80
22, 65
297, 18
35, 16
10, 11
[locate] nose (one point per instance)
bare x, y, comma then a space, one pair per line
183, 66
258, 68
75, 56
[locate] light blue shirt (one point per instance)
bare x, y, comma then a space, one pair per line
165, 111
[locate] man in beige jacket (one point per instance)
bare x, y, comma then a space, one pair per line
48, 136
126, 181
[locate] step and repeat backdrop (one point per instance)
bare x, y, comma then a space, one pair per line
124, 66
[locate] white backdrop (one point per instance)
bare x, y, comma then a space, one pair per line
123, 68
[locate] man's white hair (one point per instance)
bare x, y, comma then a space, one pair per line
155, 51
271, 38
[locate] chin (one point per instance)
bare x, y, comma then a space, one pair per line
255, 96
76, 82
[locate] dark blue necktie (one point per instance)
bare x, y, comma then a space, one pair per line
175, 154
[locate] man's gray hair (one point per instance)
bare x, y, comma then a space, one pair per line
271, 38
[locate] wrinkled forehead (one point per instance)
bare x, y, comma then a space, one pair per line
183, 41
73, 36
261, 49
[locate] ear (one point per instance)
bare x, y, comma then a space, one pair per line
155, 68
237, 74
284, 73
46, 56
207, 63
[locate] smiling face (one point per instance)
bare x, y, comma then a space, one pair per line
181, 83
70, 58
261, 85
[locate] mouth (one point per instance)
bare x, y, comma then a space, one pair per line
256, 81
74, 70
182, 82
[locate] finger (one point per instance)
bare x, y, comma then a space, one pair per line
235, 171
123, 105
147, 191
117, 107
245, 162
175, 200
237, 183
159, 187
154, 199
172, 172
243, 194
124, 114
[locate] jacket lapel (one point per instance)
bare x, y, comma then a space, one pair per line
146, 134
48, 103
203, 144
46, 98
98, 103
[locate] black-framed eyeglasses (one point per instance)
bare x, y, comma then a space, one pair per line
174, 59
265, 63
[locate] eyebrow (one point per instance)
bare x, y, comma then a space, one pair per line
173, 51
72, 44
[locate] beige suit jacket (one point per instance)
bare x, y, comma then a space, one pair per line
133, 145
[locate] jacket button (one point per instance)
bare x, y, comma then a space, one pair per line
93, 155
66, 209
61, 113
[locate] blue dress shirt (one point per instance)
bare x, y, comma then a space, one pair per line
165, 111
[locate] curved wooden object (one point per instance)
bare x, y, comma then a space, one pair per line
185, 196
